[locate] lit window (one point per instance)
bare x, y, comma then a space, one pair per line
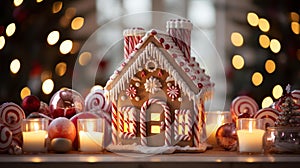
155, 129
182, 124
155, 116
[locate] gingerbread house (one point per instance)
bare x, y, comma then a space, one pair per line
159, 90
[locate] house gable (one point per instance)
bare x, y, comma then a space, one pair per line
151, 47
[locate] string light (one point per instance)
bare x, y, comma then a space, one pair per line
25, 92
77, 23
18, 2
84, 58
275, 46
47, 86
277, 91
53, 37
238, 62
15, 66
2, 42
252, 19
264, 25
237, 39
10, 29
257, 78
66, 46
267, 102
270, 66
264, 41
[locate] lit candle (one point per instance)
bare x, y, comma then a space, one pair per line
34, 132
214, 119
90, 141
250, 135
91, 134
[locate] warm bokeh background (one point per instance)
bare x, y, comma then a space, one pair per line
257, 41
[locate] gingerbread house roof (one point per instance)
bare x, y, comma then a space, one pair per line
190, 78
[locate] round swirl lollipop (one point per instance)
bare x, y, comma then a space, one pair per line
5, 138
243, 106
66, 103
96, 101
12, 115
269, 115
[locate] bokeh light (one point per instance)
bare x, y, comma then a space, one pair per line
38, 1
267, 102
18, 2
66, 46
47, 86
57, 6
257, 78
295, 27
238, 62
252, 19
237, 39
61, 68
277, 91
275, 46
294, 17
264, 25
2, 42
264, 41
270, 66
84, 58
10, 29
15, 66
53, 37
77, 23
25, 92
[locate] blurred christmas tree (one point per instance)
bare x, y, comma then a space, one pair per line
271, 49
39, 43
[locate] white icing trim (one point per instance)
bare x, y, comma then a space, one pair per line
180, 24
134, 32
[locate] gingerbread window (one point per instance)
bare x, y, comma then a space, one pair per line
183, 125
127, 120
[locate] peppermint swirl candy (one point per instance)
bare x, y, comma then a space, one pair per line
241, 105
5, 138
97, 101
12, 115
269, 115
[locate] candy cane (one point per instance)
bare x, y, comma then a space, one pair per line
126, 47
5, 138
176, 125
12, 115
129, 111
243, 104
167, 120
114, 124
197, 126
296, 96
269, 115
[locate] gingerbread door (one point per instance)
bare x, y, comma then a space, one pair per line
155, 123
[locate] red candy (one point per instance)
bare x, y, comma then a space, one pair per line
269, 115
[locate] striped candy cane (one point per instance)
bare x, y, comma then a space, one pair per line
167, 113
114, 123
183, 136
130, 118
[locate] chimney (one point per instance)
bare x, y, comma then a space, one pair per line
131, 39
180, 31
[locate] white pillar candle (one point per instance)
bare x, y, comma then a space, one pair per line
90, 141
251, 140
34, 141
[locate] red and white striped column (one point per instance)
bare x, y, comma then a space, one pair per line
131, 38
180, 31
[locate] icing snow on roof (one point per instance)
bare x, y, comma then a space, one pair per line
190, 68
